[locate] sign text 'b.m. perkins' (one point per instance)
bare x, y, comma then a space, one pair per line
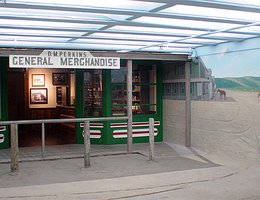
64, 59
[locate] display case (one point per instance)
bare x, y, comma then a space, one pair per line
119, 95
143, 90
93, 93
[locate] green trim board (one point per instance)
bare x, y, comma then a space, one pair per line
79, 109
4, 130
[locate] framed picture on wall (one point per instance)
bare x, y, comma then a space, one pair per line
39, 96
59, 78
59, 95
38, 80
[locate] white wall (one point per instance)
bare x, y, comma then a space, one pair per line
48, 84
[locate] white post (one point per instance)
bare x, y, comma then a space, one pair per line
86, 144
151, 139
129, 106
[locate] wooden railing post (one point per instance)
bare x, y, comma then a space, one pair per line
43, 140
187, 106
151, 138
129, 107
86, 144
14, 149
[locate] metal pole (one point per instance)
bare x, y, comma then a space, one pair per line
86, 144
43, 140
151, 138
14, 149
129, 106
187, 106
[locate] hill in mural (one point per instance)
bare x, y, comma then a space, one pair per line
240, 83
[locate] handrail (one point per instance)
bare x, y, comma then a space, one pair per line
86, 130
49, 121
14, 135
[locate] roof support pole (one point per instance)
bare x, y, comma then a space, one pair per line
129, 106
187, 106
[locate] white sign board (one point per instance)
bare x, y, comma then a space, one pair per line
64, 59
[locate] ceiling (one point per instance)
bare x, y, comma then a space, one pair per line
163, 26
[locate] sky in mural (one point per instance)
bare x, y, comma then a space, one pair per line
233, 59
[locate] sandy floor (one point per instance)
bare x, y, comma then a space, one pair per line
230, 127
222, 164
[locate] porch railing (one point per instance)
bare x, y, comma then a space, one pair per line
14, 136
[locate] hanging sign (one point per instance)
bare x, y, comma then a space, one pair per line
64, 59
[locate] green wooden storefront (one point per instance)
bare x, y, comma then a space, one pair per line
110, 132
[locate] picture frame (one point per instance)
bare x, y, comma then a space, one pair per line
38, 80
59, 95
39, 96
59, 78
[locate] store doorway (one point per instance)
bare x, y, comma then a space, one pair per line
42, 94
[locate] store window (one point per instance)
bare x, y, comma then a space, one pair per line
92, 93
182, 89
168, 90
144, 90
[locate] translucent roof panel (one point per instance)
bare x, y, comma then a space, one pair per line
187, 45
230, 35
21, 32
243, 2
185, 23
48, 24
158, 31
251, 29
213, 12
127, 25
133, 37
124, 42
114, 4
203, 41
169, 49
66, 15
32, 39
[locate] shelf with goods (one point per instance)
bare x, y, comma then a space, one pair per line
93, 95
119, 96
119, 99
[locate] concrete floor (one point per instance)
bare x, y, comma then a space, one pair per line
177, 173
64, 163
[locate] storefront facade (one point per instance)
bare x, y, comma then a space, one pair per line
58, 93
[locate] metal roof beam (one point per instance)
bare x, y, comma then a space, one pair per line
90, 31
